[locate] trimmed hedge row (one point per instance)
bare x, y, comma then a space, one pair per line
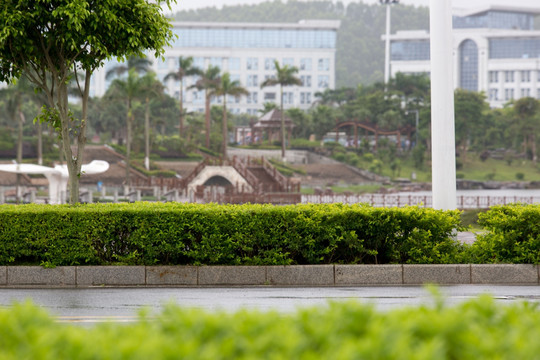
512, 235
211, 234
477, 329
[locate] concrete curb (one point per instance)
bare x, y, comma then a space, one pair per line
294, 275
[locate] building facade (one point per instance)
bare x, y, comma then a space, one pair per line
495, 49
247, 51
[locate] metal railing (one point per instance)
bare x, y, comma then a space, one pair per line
397, 200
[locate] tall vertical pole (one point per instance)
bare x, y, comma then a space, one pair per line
387, 46
442, 106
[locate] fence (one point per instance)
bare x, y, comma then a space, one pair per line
397, 200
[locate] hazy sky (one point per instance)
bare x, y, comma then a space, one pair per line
194, 4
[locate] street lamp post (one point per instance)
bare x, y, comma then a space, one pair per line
442, 106
387, 39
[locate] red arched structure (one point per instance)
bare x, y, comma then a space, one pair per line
374, 129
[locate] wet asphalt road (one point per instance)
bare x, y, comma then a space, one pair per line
123, 305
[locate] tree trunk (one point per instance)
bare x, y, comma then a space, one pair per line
282, 126
19, 152
39, 143
181, 124
147, 135
128, 145
207, 119
533, 147
225, 132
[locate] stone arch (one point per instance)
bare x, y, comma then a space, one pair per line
227, 173
468, 65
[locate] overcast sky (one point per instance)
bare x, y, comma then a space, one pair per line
194, 4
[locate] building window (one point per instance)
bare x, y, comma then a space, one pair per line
305, 98
323, 81
305, 64
252, 63
216, 61
509, 76
493, 94
288, 61
252, 80
525, 93
269, 96
234, 64
306, 80
269, 64
508, 94
252, 97
288, 98
525, 76
324, 64
493, 76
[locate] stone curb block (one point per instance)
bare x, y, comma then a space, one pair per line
301, 275
436, 274
369, 275
37, 275
504, 274
111, 275
171, 275
3, 275
232, 275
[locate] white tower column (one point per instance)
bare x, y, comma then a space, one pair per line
387, 47
443, 142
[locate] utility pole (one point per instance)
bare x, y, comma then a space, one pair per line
387, 39
443, 142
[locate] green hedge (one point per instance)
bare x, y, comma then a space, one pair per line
512, 235
477, 329
211, 234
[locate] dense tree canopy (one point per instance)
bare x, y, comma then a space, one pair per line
55, 41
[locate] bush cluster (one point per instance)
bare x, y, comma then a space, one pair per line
477, 329
211, 234
512, 235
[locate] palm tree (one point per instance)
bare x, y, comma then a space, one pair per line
15, 95
150, 87
285, 77
139, 64
185, 68
129, 89
208, 82
233, 88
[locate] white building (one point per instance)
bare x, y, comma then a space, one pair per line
496, 50
247, 51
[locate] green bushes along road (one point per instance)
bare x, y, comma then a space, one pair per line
477, 329
211, 234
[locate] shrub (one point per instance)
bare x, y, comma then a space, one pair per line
520, 176
477, 329
179, 234
512, 236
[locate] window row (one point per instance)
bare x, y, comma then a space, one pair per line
509, 94
510, 76
255, 38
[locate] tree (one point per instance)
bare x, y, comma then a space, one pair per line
185, 68
129, 89
49, 40
208, 82
232, 88
15, 95
469, 114
151, 87
527, 112
285, 76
